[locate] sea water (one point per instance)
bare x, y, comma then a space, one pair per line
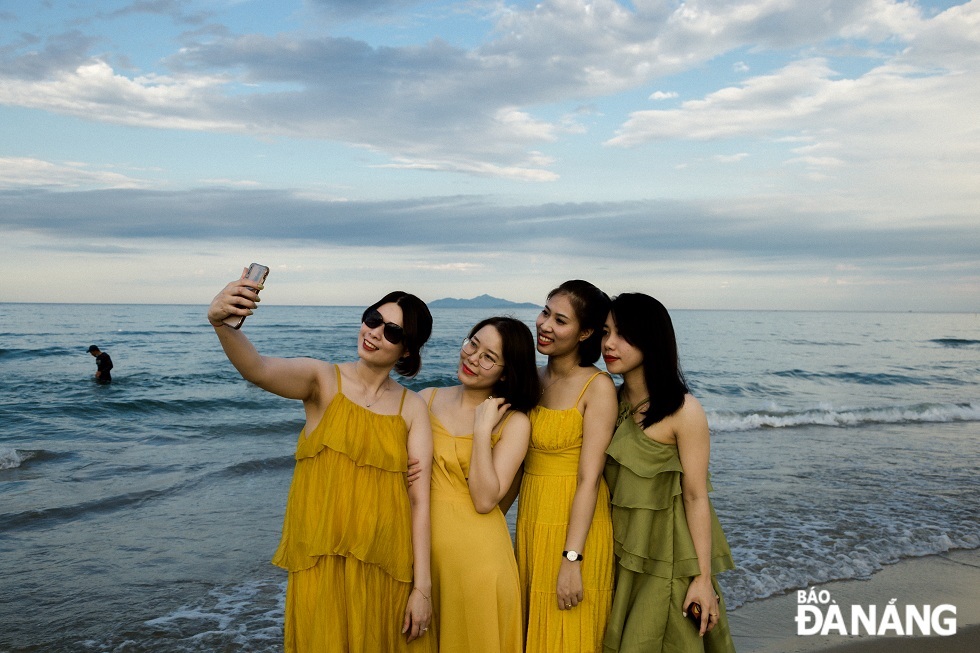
141, 516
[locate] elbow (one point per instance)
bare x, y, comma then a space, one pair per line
483, 505
694, 496
589, 481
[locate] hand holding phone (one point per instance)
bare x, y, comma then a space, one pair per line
257, 273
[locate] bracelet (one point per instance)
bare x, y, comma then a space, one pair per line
421, 592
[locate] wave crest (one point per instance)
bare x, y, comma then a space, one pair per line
918, 414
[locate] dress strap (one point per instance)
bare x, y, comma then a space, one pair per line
339, 389
432, 397
402, 402
586, 386
503, 422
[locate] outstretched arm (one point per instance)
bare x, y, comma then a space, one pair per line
293, 378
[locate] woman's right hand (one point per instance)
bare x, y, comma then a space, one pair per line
238, 298
488, 414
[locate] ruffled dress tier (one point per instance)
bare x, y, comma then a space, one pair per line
347, 535
655, 556
475, 590
544, 506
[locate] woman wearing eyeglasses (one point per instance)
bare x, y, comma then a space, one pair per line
480, 433
564, 533
355, 543
669, 543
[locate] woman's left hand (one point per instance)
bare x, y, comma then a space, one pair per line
702, 592
570, 589
418, 615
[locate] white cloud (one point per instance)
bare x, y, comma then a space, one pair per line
25, 172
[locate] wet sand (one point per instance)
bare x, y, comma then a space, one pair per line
769, 626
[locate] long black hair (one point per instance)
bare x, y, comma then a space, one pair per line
417, 324
645, 323
519, 384
591, 307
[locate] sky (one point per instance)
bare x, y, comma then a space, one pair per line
717, 154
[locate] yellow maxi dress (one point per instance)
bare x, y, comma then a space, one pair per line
475, 592
544, 504
347, 535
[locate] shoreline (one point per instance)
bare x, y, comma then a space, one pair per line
769, 625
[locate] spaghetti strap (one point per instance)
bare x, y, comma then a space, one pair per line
586, 386
339, 389
432, 397
503, 422
402, 402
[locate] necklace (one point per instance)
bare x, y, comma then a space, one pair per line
381, 394
554, 381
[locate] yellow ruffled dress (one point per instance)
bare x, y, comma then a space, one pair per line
544, 505
475, 591
347, 535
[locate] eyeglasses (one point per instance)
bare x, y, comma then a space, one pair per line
394, 333
486, 362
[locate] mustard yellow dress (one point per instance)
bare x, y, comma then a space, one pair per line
544, 505
475, 591
347, 535
655, 554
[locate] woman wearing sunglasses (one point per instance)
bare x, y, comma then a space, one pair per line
669, 543
355, 543
480, 433
564, 534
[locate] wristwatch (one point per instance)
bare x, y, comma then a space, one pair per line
572, 555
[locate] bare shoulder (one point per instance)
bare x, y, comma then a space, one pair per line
601, 387
415, 405
691, 407
690, 414
515, 419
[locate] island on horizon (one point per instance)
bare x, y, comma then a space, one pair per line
483, 301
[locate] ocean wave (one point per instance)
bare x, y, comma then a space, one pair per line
106, 504
21, 353
11, 458
14, 458
756, 577
866, 378
246, 617
918, 414
955, 343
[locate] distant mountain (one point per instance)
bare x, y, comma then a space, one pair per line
483, 301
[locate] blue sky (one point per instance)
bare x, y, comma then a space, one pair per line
765, 154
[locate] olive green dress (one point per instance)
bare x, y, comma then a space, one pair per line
655, 557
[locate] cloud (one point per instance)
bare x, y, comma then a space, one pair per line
437, 106
765, 227
24, 172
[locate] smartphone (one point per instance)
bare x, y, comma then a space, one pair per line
257, 273
694, 614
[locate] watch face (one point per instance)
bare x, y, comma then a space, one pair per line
571, 555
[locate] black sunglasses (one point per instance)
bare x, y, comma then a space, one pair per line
372, 319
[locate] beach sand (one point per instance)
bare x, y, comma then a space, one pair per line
953, 578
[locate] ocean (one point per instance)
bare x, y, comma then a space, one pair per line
141, 516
